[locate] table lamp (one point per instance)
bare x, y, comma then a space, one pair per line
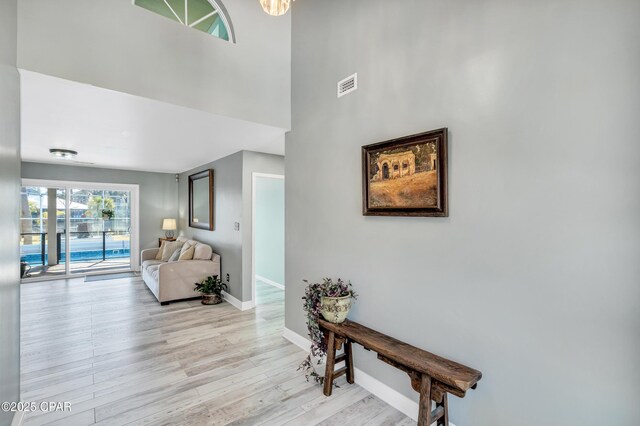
169, 225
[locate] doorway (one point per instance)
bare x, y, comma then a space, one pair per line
268, 281
72, 229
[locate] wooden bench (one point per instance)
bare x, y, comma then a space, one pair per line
432, 376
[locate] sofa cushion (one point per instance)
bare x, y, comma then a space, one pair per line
188, 253
148, 263
186, 246
169, 248
175, 256
186, 241
202, 252
154, 270
160, 250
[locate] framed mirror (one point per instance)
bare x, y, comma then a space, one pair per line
201, 200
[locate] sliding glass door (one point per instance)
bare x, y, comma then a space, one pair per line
100, 234
92, 232
42, 231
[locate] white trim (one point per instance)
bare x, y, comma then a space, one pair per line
173, 11
268, 281
296, 339
18, 418
243, 306
389, 395
400, 402
255, 175
202, 19
222, 13
79, 184
135, 211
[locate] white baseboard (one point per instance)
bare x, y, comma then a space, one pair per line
389, 395
268, 281
296, 339
243, 306
18, 418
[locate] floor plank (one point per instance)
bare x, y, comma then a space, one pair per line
120, 358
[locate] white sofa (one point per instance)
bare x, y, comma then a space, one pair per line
170, 281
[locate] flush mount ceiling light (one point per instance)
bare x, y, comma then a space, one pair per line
275, 7
67, 154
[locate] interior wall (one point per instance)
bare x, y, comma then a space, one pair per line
533, 277
232, 203
227, 207
158, 191
269, 229
91, 41
9, 211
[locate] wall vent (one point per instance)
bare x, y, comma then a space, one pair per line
347, 85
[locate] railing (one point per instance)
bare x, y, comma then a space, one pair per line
80, 234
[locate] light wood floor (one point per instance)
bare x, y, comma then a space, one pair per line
118, 357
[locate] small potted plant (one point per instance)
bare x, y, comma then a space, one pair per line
107, 214
211, 289
326, 296
336, 301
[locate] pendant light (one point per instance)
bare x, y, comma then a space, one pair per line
275, 7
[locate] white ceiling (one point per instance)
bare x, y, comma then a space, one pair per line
122, 131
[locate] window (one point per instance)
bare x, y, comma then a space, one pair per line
208, 16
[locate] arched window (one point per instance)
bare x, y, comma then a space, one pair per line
208, 16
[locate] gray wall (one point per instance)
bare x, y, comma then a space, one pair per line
158, 191
253, 162
232, 203
9, 211
227, 209
269, 229
116, 45
533, 278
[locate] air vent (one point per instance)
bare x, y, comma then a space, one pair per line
348, 85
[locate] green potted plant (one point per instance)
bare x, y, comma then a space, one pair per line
330, 297
107, 214
211, 289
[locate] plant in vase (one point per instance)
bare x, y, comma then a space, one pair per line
107, 214
331, 297
211, 289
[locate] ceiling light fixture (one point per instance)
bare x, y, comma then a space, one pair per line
66, 154
275, 7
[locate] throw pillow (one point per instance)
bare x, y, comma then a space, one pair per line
185, 247
175, 256
160, 250
169, 248
187, 254
202, 252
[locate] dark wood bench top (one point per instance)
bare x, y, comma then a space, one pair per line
453, 374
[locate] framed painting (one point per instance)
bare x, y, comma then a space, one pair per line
406, 176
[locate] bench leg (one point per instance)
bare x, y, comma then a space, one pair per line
444, 420
349, 361
424, 413
331, 362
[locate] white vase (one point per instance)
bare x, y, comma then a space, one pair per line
335, 309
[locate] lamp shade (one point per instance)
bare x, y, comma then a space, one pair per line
275, 7
169, 225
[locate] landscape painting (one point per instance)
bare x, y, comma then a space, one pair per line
406, 176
